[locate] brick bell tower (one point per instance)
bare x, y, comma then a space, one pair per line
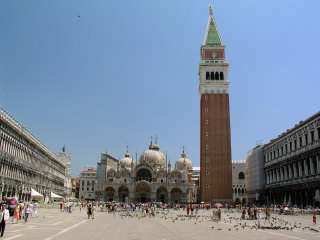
215, 141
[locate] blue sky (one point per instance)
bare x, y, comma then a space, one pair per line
126, 70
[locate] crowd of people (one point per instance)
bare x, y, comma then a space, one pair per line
20, 210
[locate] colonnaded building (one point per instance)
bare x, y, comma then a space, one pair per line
287, 169
27, 164
150, 180
291, 165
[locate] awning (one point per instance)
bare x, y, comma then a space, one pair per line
53, 195
35, 194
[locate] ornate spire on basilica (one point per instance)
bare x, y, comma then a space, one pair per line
127, 153
156, 145
183, 153
151, 146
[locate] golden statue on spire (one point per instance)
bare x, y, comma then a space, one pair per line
210, 7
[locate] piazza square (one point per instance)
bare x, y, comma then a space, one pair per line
167, 224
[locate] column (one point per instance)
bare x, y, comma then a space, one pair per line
131, 196
169, 196
1, 189
311, 166
289, 171
317, 163
116, 196
274, 175
285, 170
289, 198
153, 196
299, 169
306, 172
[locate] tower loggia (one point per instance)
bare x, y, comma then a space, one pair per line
215, 140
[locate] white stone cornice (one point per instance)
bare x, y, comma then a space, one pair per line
216, 87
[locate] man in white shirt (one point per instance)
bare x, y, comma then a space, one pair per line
35, 209
4, 216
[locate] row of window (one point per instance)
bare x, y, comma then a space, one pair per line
31, 156
214, 76
283, 150
21, 174
92, 189
298, 169
238, 186
88, 183
239, 191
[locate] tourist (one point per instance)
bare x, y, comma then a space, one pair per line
127, 207
21, 206
80, 207
219, 214
188, 210
89, 210
314, 219
31, 207
27, 212
4, 216
35, 209
255, 212
16, 212
192, 208
268, 213
197, 211
93, 210
243, 216
152, 211
259, 216
61, 206
68, 207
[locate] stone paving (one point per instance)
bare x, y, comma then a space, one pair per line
53, 224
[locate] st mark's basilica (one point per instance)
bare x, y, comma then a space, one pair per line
152, 179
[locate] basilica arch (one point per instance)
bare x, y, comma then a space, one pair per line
176, 195
144, 174
123, 193
162, 194
109, 194
142, 192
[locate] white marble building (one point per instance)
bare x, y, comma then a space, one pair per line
87, 186
239, 182
149, 180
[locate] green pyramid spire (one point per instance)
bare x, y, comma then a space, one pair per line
213, 35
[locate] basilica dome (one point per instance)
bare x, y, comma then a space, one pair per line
183, 160
153, 157
126, 161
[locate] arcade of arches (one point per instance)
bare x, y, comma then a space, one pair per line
144, 192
